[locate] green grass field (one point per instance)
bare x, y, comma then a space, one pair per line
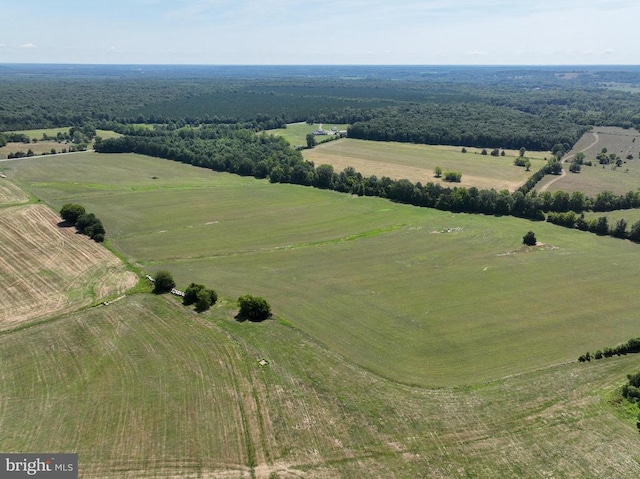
374, 303
52, 132
630, 216
296, 133
593, 179
45, 146
417, 295
146, 388
418, 162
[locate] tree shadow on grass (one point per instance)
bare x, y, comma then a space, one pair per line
241, 318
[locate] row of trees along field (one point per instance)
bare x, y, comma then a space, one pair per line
86, 223
252, 308
234, 150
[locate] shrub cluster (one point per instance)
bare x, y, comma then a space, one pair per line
599, 226
253, 308
630, 347
529, 239
86, 223
452, 176
199, 295
631, 391
163, 282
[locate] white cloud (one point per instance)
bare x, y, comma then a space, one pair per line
112, 49
27, 45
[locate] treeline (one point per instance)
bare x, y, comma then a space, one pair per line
266, 156
631, 391
600, 226
492, 107
469, 124
218, 148
86, 223
252, 308
630, 347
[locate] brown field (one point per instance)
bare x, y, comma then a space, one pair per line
47, 269
417, 162
11, 194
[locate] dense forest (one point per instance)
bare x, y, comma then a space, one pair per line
493, 107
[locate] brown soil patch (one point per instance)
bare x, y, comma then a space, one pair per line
47, 269
397, 171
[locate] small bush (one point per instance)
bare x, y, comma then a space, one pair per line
529, 239
253, 308
205, 299
71, 212
452, 176
164, 282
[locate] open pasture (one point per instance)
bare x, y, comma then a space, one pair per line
47, 269
597, 178
418, 162
296, 133
45, 146
37, 134
417, 295
630, 216
146, 388
39, 148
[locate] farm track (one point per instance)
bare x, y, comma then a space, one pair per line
566, 159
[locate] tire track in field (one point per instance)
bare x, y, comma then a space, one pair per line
47, 268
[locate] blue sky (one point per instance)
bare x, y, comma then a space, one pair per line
321, 32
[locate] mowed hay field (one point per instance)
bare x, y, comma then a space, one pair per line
597, 178
45, 146
416, 295
47, 269
296, 133
146, 388
418, 162
10, 194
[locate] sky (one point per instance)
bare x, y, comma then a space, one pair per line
324, 32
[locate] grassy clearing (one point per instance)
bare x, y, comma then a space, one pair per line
417, 295
418, 162
146, 388
45, 146
594, 179
630, 216
296, 133
37, 134
39, 148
